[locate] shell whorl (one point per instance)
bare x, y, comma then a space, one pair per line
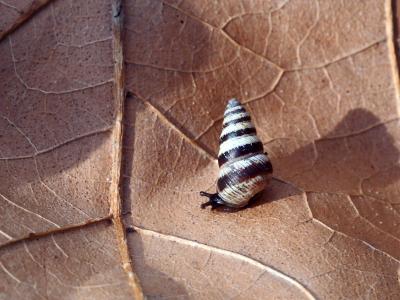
238, 137
244, 167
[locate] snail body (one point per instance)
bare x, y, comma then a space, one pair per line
244, 167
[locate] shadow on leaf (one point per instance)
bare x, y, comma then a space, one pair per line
155, 283
343, 161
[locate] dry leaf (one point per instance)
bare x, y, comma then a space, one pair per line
320, 80
57, 115
58, 129
16, 13
79, 264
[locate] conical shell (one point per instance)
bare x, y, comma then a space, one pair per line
245, 169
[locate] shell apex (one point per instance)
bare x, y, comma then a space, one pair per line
232, 103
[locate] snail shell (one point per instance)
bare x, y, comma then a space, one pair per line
244, 167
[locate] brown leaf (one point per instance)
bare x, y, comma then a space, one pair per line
56, 120
59, 156
16, 13
320, 80
80, 264
189, 269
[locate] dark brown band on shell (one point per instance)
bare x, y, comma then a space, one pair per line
239, 176
240, 151
235, 121
237, 133
237, 111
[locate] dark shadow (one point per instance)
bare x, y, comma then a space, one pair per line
359, 147
56, 119
155, 284
159, 40
275, 191
172, 52
72, 128
159, 68
396, 28
89, 253
131, 109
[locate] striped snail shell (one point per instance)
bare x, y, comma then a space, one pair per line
244, 167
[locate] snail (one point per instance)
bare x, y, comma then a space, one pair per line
244, 168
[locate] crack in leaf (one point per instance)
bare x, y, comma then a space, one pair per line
61, 282
244, 102
262, 13
335, 60
270, 91
20, 131
9, 273
163, 118
66, 142
11, 6
340, 58
243, 258
249, 50
358, 132
58, 246
348, 236
7, 236
222, 31
85, 44
308, 32
352, 270
331, 86
206, 278
371, 223
90, 86
35, 235
189, 15
28, 211
153, 66
250, 285
35, 6
56, 195
53, 15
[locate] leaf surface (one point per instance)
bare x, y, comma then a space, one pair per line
322, 90
80, 165
58, 157
79, 264
56, 118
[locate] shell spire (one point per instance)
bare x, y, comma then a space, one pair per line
245, 168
